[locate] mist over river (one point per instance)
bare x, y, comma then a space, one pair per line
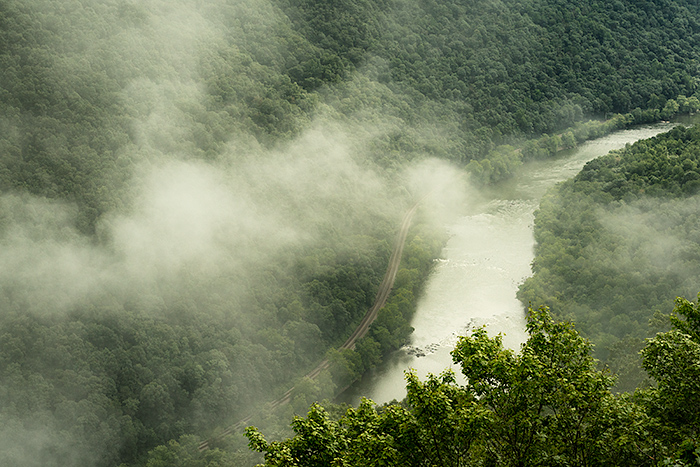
486, 258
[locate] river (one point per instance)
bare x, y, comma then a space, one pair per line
486, 258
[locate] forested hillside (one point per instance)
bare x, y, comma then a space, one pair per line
199, 199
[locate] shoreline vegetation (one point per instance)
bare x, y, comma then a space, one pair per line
368, 344
500, 163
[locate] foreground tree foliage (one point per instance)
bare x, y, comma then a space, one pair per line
545, 405
673, 359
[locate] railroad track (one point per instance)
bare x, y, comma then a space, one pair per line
360, 331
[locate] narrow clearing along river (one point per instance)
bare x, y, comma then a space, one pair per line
486, 258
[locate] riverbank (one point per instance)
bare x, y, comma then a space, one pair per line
486, 258
503, 161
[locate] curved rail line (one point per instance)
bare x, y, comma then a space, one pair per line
360, 331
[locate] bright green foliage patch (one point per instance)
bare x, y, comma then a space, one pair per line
546, 405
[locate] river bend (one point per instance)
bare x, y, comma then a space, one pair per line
487, 256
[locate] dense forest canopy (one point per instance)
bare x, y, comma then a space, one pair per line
198, 199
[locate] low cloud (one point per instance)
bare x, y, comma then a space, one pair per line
656, 237
206, 219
